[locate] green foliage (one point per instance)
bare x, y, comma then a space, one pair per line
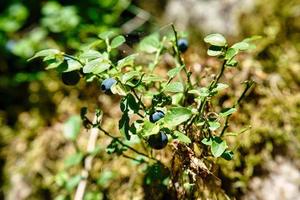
271, 109
168, 114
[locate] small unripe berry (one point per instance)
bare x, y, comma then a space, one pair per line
107, 84
182, 45
157, 115
158, 141
70, 78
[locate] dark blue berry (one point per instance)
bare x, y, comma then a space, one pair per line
183, 45
158, 141
157, 115
106, 85
70, 78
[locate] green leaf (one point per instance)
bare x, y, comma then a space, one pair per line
132, 104
231, 53
118, 89
174, 87
207, 141
214, 51
73, 182
204, 92
227, 155
150, 44
73, 160
153, 78
219, 87
218, 146
150, 128
173, 72
117, 41
127, 61
182, 137
96, 66
231, 63
176, 98
215, 39
90, 55
44, 53
72, 127
129, 75
106, 35
196, 92
72, 65
115, 147
241, 46
52, 64
227, 111
213, 125
176, 116
124, 125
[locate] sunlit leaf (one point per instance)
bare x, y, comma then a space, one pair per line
150, 44
44, 53
176, 116
117, 41
227, 111
174, 87
173, 72
150, 129
182, 137
218, 146
96, 66
215, 39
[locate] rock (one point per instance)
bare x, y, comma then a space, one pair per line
208, 15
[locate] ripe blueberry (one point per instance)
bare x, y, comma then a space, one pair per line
158, 141
70, 78
182, 45
157, 115
106, 85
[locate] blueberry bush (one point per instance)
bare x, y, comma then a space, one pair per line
158, 111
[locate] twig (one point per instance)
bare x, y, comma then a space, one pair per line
87, 162
226, 124
179, 58
125, 145
73, 58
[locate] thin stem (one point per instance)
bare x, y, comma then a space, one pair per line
134, 159
211, 86
156, 59
214, 83
179, 58
73, 58
79, 194
204, 100
226, 124
139, 98
125, 145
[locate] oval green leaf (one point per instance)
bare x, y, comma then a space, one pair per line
117, 41
176, 116
215, 39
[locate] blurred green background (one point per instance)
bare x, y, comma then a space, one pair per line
34, 103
